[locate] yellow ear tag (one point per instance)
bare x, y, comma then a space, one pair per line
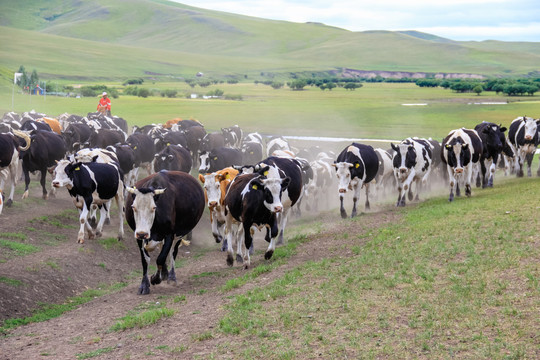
251, 152
135, 148
168, 144
357, 165
265, 173
77, 168
227, 176
215, 158
255, 187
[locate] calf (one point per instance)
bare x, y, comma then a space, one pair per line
493, 140
215, 187
219, 158
173, 157
253, 199
412, 161
159, 208
523, 138
461, 152
92, 183
45, 149
356, 166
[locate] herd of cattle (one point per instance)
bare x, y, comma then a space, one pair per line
248, 183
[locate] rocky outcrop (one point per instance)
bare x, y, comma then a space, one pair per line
368, 74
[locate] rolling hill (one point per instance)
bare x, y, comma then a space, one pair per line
98, 39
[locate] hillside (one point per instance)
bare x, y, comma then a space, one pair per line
72, 37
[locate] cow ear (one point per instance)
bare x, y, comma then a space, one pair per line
285, 183
395, 147
170, 157
156, 156
502, 128
256, 184
131, 190
465, 146
448, 146
201, 178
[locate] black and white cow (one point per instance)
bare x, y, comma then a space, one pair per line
253, 200
9, 161
76, 135
233, 136
194, 136
92, 183
461, 152
160, 207
252, 152
173, 157
356, 166
385, 175
277, 143
493, 141
219, 158
412, 161
46, 148
524, 139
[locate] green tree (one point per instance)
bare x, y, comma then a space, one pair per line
478, 89
298, 84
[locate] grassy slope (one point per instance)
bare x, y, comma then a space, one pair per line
451, 280
173, 38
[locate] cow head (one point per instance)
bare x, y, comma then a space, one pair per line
163, 161
62, 172
211, 188
344, 175
458, 155
530, 128
404, 159
205, 162
492, 136
272, 185
144, 210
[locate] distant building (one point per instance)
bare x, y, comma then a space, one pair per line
200, 74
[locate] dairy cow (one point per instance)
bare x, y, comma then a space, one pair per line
524, 139
173, 157
356, 166
9, 161
461, 152
215, 187
92, 183
219, 158
412, 161
493, 140
161, 207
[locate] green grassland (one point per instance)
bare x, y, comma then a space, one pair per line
449, 280
373, 111
98, 39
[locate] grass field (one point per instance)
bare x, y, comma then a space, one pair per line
450, 280
374, 111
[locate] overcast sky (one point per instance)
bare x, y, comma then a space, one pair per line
507, 20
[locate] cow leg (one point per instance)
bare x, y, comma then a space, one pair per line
215, 227
342, 210
93, 215
229, 238
529, 159
42, 179
367, 207
401, 197
171, 276
83, 219
102, 216
240, 246
120, 204
144, 288
272, 247
519, 166
491, 173
13, 176
161, 261
26, 173
248, 241
453, 183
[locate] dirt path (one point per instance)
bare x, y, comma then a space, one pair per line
65, 268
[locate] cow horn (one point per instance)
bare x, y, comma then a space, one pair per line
159, 191
131, 190
26, 138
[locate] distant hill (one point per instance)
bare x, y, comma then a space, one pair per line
98, 39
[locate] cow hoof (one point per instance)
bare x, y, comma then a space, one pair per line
217, 238
120, 238
155, 279
239, 259
268, 254
251, 249
98, 234
246, 266
91, 235
343, 214
9, 203
45, 196
52, 196
230, 260
107, 221
143, 290
80, 241
25, 195
171, 278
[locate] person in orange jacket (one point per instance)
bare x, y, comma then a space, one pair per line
104, 102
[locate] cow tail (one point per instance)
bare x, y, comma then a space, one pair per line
26, 138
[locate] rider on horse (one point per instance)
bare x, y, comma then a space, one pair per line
104, 105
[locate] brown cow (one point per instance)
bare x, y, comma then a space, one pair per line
215, 188
53, 123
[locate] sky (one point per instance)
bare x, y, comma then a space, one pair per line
462, 20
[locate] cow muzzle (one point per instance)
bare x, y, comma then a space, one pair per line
402, 170
458, 170
342, 190
142, 235
278, 209
528, 137
56, 184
